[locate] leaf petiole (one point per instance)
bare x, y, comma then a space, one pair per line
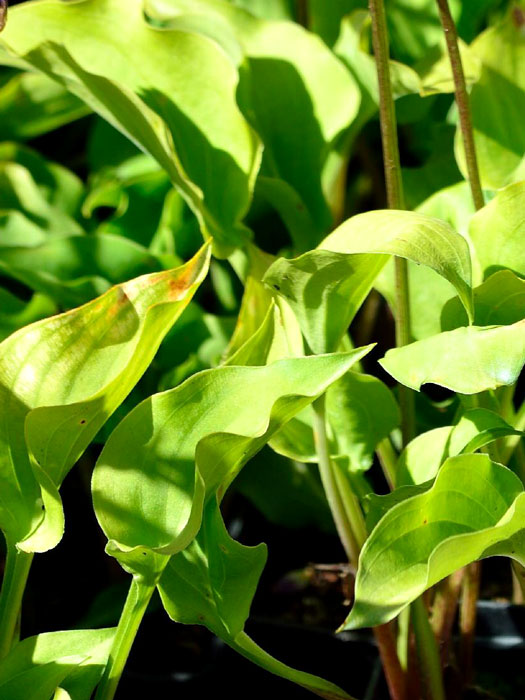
139, 595
17, 568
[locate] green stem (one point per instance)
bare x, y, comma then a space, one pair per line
426, 642
388, 460
462, 101
16, 572
427, 651
348, 532
137, 601
395, 196
350, 524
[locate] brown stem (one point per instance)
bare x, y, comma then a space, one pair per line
302, 12
394, 674
462, 101
444, 611
467, 618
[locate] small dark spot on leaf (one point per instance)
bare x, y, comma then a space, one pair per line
223, 548
201, 618
82, 422
276, 286
425, 521
144, 554
43, 507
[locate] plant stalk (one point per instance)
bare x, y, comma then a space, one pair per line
351, 528
467, 618
387, 459
427, 651
349, 525
139, 595
471, 581
16, 572
462, 101
425, 640
395, 195
444, 610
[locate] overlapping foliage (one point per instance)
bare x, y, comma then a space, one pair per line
198, 296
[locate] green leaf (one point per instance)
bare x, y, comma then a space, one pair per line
61, 379
166, 474
361, 411
497, 102
193, 128
213, 582
74, 660
423, 456
16, 313
74, 269
27, 216
410, 235
288, 493
500, 301
465, 360
61, 188
294, 91
325, 289
137, 190
31, 104
429, 292
497, 232
475, 509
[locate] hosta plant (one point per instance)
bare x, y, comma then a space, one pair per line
218, 293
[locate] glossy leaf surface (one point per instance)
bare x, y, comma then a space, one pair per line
474, 510
497, 232
294, 91
421, 459
326, 287
61, 379
177, 449
193, 128
466, 360
72, 660
212, 583
500, 300
497, 102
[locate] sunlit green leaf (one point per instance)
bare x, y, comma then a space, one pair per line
497, 232
497, 103
167, 473
193, 128
294, 91
326, 287
466, 360
60, 380
475, 509
423, 456
212, 583
73, 660
500, 300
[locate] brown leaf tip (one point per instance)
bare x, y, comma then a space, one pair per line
518, 15
3, 13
